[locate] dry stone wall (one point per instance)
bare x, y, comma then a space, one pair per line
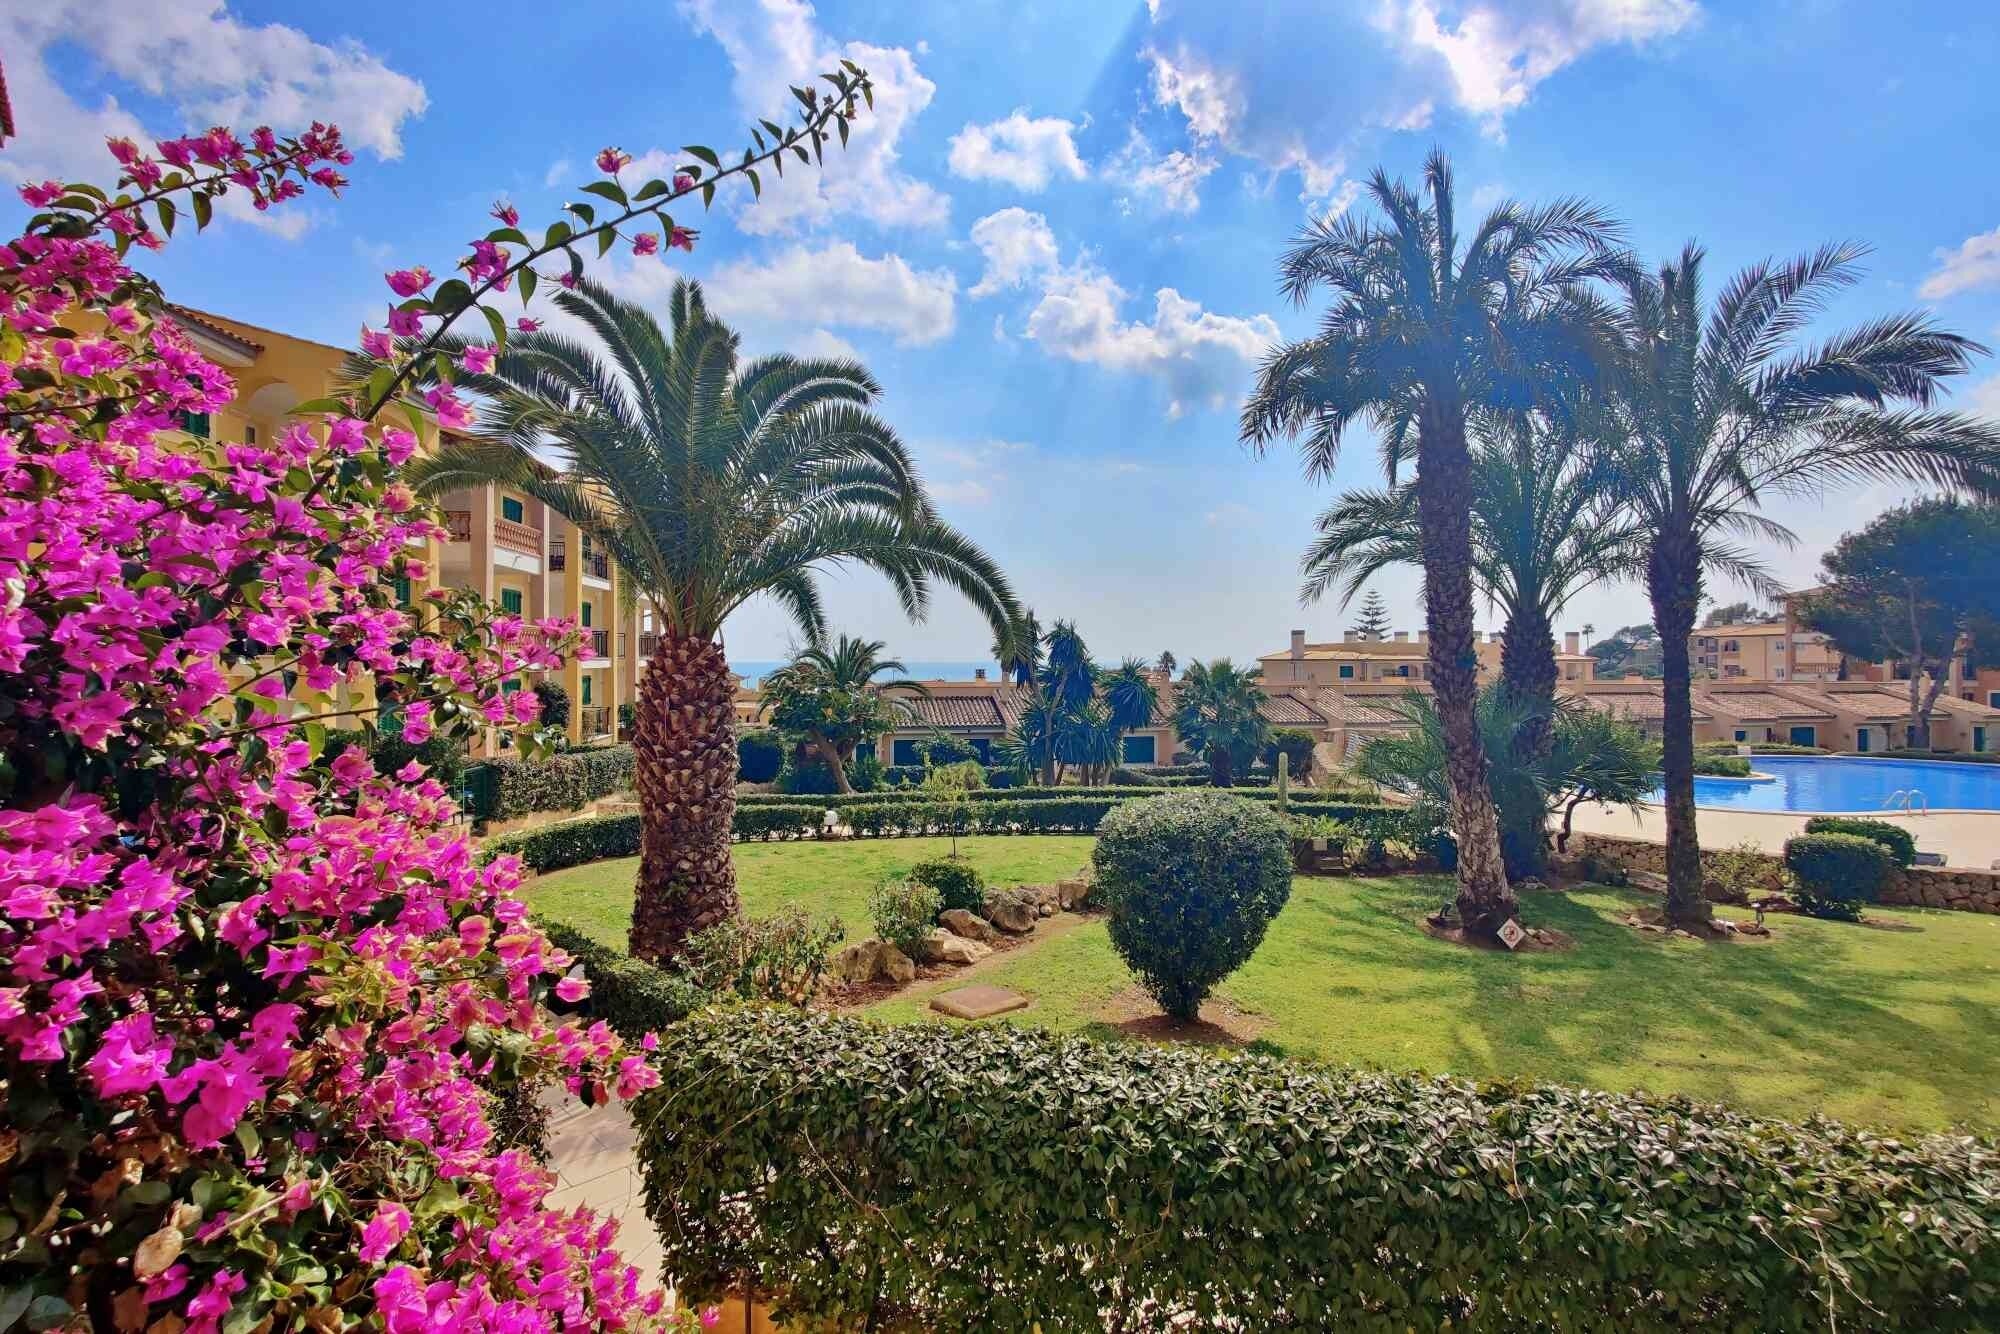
1959, 888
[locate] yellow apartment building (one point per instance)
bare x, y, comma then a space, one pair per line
509, 548
1398, 659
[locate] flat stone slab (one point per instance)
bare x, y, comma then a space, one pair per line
978, 1002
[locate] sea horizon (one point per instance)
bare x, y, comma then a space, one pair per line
753, 670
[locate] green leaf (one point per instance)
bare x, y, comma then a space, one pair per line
247, 1136
605, 240
506, 236
452, 297
315, 407
708, 194
204, 209
558, 234
14, 1301
529, 278
498, 324
650, 189
610, 190
47, 1312
705, 154
165, 207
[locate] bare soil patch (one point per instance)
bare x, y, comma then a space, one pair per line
1135, 1014
1539, 940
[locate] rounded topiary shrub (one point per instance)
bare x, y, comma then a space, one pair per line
1836, 873
1191, 879
956, 880
759, 755
1899, 842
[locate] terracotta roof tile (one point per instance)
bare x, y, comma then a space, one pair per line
1759, 705
958, 713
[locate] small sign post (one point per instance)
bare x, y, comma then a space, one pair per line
1511, 934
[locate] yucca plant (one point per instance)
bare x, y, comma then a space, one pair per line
710, 481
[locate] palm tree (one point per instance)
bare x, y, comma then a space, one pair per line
1426, 327
1167, 663
1545, 526
1721, 409
710, 481
1067, 681
1217, 713
1129, 698
1018, 648
829, 697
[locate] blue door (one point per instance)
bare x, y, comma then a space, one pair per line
1804, 736
1861, 738
1978, 738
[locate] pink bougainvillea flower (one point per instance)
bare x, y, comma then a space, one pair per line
683, 181
646, 243
452, 414
408, 282
476, 360
526, 325
611, 161
41, 196
682, 239
508, 215
384, 1232
377, 344
406, 324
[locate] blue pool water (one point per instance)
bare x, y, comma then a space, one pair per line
1812, 783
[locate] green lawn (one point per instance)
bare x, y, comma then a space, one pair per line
1892, 1023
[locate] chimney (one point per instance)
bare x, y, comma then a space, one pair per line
1572, 641
1402, 636
1423, 636
979, 673
1349, 636
1298, 645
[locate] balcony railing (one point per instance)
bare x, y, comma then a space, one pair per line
558, 553
594, 719
649, 644
597, 565
458, 523
517, 537
599, 644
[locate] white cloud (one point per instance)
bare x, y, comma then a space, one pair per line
1974, 262
1983, 398
557, 173
1227, 515
821, 343
1017, 244
774, 44
965, 493
1208, 97
839, 286
1171, 182
1201, 356
1496, 54
209, 66
1025, 152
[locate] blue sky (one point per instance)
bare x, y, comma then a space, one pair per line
1055, 242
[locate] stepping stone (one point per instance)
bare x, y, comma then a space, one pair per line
979, 1002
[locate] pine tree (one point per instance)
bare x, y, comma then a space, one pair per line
1374, 622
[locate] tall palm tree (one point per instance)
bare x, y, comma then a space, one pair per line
1166, 663
1017, 647
830, 698
1067, 681
1217, 712
1721, 408
710, 481
1129, 698
1426, 327
1545, 526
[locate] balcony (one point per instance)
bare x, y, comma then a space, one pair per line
594, 719
597, 644
649, 644
517, 537
458, 525
596, 565
558, 553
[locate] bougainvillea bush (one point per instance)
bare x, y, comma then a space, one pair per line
256, 1003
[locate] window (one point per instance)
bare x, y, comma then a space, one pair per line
510, 601
249, 435
195, 423
1993, 699
904, 751
1403, 669
1910, 737
1730, 646
1805, 736
1347, 671
512, 510
1742, 735
983, 748
586, 615
1142, 750
402, 587
586, 690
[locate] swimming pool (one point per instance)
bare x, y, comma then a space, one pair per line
1819, 783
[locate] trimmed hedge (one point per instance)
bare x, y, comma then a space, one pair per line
1836, 874
997, 1178
1758, 748
631, 995
760, 754
571, 843
836, 801
1899, 842
566, 782
1713, 765
1941, 756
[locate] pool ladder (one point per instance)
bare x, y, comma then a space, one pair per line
1907, 800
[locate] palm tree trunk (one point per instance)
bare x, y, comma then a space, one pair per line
1444, 520
1528, 673
684, 752
1673, 581
829, 755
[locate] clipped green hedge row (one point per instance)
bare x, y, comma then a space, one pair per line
631, 995
1713, 765
1000, 1178
1941, 756
837, 801
566, 782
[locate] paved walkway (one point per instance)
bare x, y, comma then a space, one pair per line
1966, 838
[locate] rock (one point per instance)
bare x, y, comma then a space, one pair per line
1652, 881
1045, 899
1073, 892
1011, 912
1724, 926
1568, 868
868, 960
1531, 886
1752, 929
941, 946
961, 922
1716, 892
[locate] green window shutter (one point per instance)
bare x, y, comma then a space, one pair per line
586, 615
586, 690
510, 601
512, 510
402, 587
1346, 671
195, 423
